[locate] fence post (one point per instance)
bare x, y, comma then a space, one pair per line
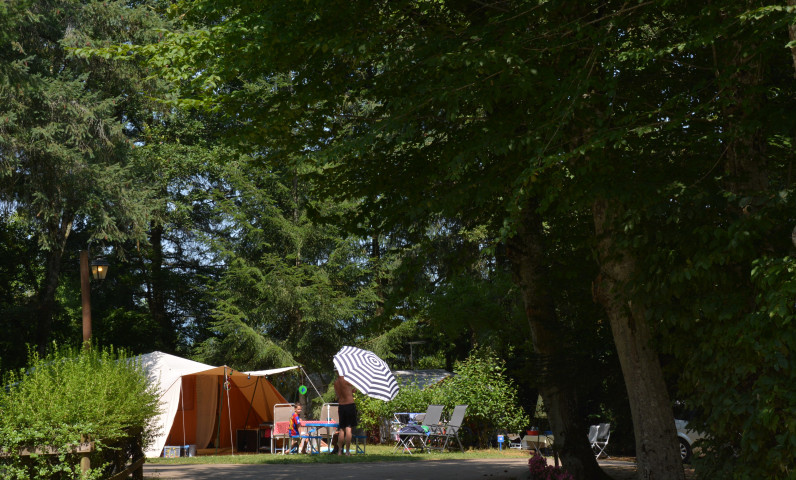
85, 456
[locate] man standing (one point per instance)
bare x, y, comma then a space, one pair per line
348, 414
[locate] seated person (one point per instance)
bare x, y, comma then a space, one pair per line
295, 425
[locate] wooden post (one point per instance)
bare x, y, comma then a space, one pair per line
85, 289
85, 456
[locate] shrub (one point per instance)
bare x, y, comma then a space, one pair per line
490, 396
66, 396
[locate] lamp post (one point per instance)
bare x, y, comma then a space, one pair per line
99, 268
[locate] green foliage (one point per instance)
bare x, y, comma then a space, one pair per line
59, 399
65, 137
738, 377
680, 113
479, 382
293, 289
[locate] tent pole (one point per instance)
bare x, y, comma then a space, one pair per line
229, 415
246, 423
182, 403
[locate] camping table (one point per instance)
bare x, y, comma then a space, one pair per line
400, 420
537, 442
328, 426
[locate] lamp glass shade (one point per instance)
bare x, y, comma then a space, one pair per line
99, 268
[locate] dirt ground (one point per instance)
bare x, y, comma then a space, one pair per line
515, 468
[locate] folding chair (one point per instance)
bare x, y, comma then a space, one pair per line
414, 436
450, 430
593, 434
329, 412
281, 431
515, 441
601, 440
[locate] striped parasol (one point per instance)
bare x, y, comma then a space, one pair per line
367, 372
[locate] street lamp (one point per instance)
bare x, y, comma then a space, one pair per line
99, 268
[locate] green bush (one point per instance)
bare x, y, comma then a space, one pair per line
480, 382
69, 395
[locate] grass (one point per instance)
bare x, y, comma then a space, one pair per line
375, 453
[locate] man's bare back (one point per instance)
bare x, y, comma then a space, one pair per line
343, 390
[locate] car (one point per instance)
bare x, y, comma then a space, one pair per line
686, 439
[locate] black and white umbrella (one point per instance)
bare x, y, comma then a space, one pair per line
367, 372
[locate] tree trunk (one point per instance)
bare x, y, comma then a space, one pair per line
657, 455
49, 284
526, 253
792, 36
157, 294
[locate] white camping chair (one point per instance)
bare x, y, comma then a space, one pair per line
281, 431
330, 412
601, 440
593, 434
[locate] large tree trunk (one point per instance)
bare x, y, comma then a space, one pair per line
657, 455
526, 253
157, 291
49, 284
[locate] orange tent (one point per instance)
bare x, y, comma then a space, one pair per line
207, 406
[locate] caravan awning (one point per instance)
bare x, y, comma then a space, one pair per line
273, 371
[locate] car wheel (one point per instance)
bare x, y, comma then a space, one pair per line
685, 451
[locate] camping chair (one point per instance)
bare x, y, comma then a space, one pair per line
329, 412
515, 441
451, 429
281, 431
593, 434
601, 440
409, 435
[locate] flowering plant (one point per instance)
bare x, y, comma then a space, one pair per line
540, 470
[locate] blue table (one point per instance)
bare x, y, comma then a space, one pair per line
314, 441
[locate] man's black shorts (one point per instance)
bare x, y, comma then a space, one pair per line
348, 415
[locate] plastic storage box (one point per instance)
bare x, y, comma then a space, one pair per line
171, 452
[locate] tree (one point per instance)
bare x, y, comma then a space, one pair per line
507, 115
292, 290
62, 135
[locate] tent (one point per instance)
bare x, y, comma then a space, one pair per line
204, 405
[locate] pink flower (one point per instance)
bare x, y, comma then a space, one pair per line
540, 470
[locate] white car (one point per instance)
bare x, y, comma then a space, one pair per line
687, 438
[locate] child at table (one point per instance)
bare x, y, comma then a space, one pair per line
295, 425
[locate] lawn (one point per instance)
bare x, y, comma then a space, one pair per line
375, 453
